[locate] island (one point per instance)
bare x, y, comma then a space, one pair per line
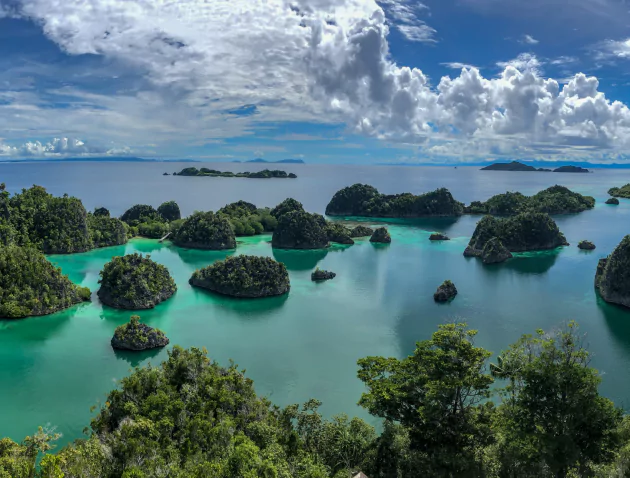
438, 236
361, 231
30, 285
282, 161
446, 292
364, 200
520, 167
248, 220
586, 245
622, 192
320, 275
213, 173
136, 336
169, 211
244, 277
613, 201
134, 282
553, 200
494, 252
106, 231
205, 230
339, 233
286, 206
381, 235
612, 278
300, 230
144, 220
531, 231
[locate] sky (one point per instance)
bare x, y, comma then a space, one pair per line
327, 81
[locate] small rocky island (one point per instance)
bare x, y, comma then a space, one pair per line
286, 206
613, 201
213, 173
366, 201
339, 233
520, 167
205, 230
301, 230
447, 291
244, 277
320, 275
520, 233
622, 192
612, 278
553, 200
571, 169
361, 231
137, 336
30, 285
586, 245
134, 282
494, 252
381, 235
106, 231
438, 236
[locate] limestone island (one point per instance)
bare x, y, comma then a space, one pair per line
301, 230
381, 235
494, 252
205, 230
213, 173
613, 201
134, 282
321, 275
248, 220
339, 233
612, 278
553, 200
361, 231
447, 291
286, 206
366, 201
586, 245
622, 192
30, 285
136, 336
106, 231
531, 231
146, 221
437, 236
244, 277
520, 167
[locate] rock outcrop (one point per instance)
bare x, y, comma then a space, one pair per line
613, 201
586, 245
321, 275
495, 252
381, 235
437, 236
362, 231
612, 278
339, 233
447, 291
136, 336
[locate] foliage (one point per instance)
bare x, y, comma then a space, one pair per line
439, 394
205, 230
613, 275
106, 231
141, 213
170, 211
364, 200
137, 336
300, 230
361, 231
30, 285
622, 192
244, 276
135, 282
553, 200
247, 220
286, 206
339, 233
101, 211
153, 229
264, 174
382, 235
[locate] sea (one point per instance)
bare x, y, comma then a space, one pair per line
55, 369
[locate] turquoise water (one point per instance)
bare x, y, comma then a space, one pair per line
53, 369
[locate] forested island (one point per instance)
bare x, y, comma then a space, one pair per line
612, 278
244, 276
622, 192
264, 174
137, 336
546, 419
518, 166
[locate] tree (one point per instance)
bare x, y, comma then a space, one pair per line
556, 422
440, 395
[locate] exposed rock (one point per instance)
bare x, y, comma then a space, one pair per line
614, 201
300, 230
362, 231
136, 336
244, 276
321, 275
437, 236
586, 245
612, 278
445, 292
494, 252
381, 235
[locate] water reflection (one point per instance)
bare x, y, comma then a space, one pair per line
617, 319
245, 307
200, 258
300, 260
137, 358
526, 263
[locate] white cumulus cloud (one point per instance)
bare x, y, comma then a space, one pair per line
57, 147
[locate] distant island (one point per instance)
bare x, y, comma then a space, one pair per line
282, 161
516, 166
264, 174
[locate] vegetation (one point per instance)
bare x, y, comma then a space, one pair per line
447, 291
437, 236
106, 231
553, 200
513, 166
495, 252
244, 276
361, 231
136, 336
523, 232
300, 230
339, 233
30, 285
322, 275
141, 213
101, 211
364, 200
134, 282
286, 206
264, 174
613, 201
247, 220
170, 211
381, 235
612, 278
205, 230
622, 192
587, 245
191, 418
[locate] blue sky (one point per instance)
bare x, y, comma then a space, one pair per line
329, 81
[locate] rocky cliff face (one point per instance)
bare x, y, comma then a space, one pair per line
381, 235
445, 292
136, 336
612, 278
495, 252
